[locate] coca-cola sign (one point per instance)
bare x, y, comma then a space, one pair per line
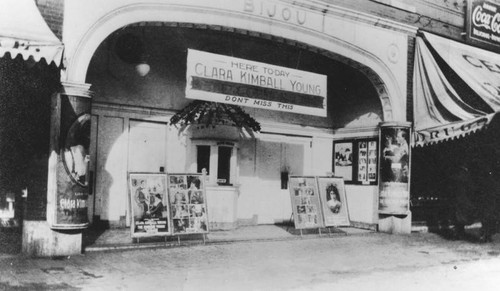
483, 22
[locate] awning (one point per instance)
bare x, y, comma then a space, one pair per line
456, 89
23, 31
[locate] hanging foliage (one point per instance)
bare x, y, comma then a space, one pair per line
210, 114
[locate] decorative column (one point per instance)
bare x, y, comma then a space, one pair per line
394, 178
67, 185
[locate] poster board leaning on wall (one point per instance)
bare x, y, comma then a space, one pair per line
333, 201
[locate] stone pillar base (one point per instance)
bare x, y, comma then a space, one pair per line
39, 240
400, 224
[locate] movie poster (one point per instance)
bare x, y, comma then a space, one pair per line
306, 205
394, 194
188, 203
149, 204
363, 162
68, 187
334, 201
343, 157
372, 161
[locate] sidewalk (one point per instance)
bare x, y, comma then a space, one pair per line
120, 239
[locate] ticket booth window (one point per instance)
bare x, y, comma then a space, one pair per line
224, 165
218, 158
203, 158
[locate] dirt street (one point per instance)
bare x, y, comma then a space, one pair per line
372, 261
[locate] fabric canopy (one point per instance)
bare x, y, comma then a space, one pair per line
24, 32
442, 108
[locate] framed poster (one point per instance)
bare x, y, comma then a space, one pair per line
394, 194
149, 204
356, 161
343, 156
188, 203
363, 162
372, 161
333, 201
306, 206
68, 188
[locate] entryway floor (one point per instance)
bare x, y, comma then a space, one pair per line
120, 238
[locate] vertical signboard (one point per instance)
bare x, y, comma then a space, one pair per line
68, 187
483, 23
306, 204
148, 204
394, 194
188, 203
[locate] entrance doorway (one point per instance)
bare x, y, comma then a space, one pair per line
147, 146
262, 195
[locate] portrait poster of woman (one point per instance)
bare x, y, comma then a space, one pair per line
188, 203
333, 201
149, 204
306, 206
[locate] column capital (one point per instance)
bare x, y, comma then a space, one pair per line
76, 89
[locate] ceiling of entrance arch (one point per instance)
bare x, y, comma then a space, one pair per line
352, 99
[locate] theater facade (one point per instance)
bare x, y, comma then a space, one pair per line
328, 86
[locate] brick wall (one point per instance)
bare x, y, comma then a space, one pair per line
53, 13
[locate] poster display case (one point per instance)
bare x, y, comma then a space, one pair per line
306, 203
394, 194
167, 204
356, 161
343, 158
149, 205
333, 201
188, 203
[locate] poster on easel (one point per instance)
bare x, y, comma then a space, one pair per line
188, 203
149, 205
306, 205
333, 201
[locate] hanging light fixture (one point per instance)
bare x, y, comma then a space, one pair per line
130, 49
142, 68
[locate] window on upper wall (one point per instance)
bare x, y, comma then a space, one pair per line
356, 161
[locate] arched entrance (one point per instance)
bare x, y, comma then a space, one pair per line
365, 88
379, 64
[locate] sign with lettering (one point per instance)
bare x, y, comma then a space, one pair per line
483, 22
478, 68
67, 203
149, 204
218, 78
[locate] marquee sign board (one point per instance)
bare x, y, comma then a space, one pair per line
236, 81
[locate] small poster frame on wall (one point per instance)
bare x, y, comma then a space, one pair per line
343, 159
149, 204
333, 201
188, 205
306, 204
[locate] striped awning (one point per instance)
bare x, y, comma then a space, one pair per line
23, 31
456, 89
